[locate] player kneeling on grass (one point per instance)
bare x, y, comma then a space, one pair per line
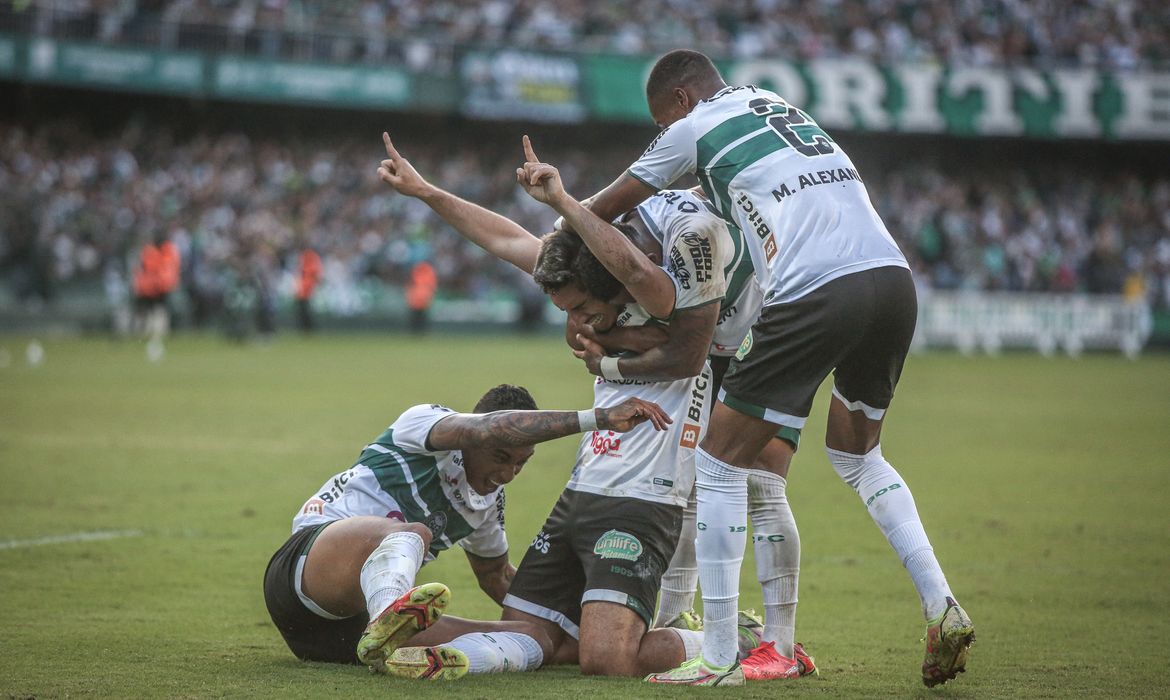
343, 580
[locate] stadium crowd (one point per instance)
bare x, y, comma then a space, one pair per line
1118, 34
75, 206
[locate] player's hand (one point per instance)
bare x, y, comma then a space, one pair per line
540, 180
632, 412
397, 172
591, 352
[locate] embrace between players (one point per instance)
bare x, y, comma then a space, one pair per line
709, 319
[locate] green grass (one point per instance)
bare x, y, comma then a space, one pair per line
1042, 483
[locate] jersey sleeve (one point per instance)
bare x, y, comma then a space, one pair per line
489, 540
694, 261
414, 426
668, 157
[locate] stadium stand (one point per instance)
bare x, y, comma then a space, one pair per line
995, 201
1121, 35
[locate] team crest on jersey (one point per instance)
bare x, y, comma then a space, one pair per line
437, 523
618, 545
745, 347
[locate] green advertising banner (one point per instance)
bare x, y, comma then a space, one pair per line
96, 65
857, 94
509, 84
311, 82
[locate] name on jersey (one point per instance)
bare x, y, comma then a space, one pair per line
761, 229
814, 178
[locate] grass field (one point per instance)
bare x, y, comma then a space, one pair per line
1042, 483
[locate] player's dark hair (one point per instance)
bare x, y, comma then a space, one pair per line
506, 397
554, 264
678, 68
597, 281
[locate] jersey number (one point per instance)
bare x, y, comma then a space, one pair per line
794, 126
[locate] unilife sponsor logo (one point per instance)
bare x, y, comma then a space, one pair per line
616, 544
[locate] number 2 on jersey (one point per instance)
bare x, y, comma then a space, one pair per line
794, 126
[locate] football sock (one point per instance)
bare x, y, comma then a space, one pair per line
390, 569
721, 491
776, 542
497, 652
692, 641
681, 579
887, 497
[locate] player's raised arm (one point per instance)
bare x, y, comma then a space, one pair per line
511, 428
498, 235
648, 283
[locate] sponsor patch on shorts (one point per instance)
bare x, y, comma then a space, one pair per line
745, 347
618, 545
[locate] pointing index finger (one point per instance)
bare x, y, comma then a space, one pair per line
390, 151
529, 154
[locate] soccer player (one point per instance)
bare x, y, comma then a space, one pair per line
838, 297
433, 479
590, 578
686, 225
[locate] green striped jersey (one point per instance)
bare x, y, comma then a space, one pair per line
792, 192
397, 476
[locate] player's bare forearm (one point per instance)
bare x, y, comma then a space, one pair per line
684, 352
638, 339
620, 196
498, 235
514, 428
494, 575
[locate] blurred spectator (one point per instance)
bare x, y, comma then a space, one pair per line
1117, 34
240, 210
310, 275
420, 292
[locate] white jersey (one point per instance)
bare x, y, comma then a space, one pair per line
688, 227
645, 463
769, 169
398, 477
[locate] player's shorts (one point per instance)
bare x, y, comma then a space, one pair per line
858, 327
310, 636
719, 365
596, 548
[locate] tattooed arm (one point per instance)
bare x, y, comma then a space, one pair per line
511, 428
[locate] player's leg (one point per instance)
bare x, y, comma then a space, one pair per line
368, 563
615, 642
864, 386
776, 541
454, 647
681, 580
310, 633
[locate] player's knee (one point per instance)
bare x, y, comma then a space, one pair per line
604, 658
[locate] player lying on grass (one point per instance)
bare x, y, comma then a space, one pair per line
686, 225
590, 578
343, 580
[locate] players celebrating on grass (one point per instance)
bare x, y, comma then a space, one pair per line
684, 223
591, 576
838, 298
433, 479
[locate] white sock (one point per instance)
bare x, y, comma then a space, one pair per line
499, 652
681, 579
777, 546
692, 642
390, 569
721, 491
890, 504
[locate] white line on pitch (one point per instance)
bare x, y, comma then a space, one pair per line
75, 537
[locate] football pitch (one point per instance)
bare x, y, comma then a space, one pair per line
140, 503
